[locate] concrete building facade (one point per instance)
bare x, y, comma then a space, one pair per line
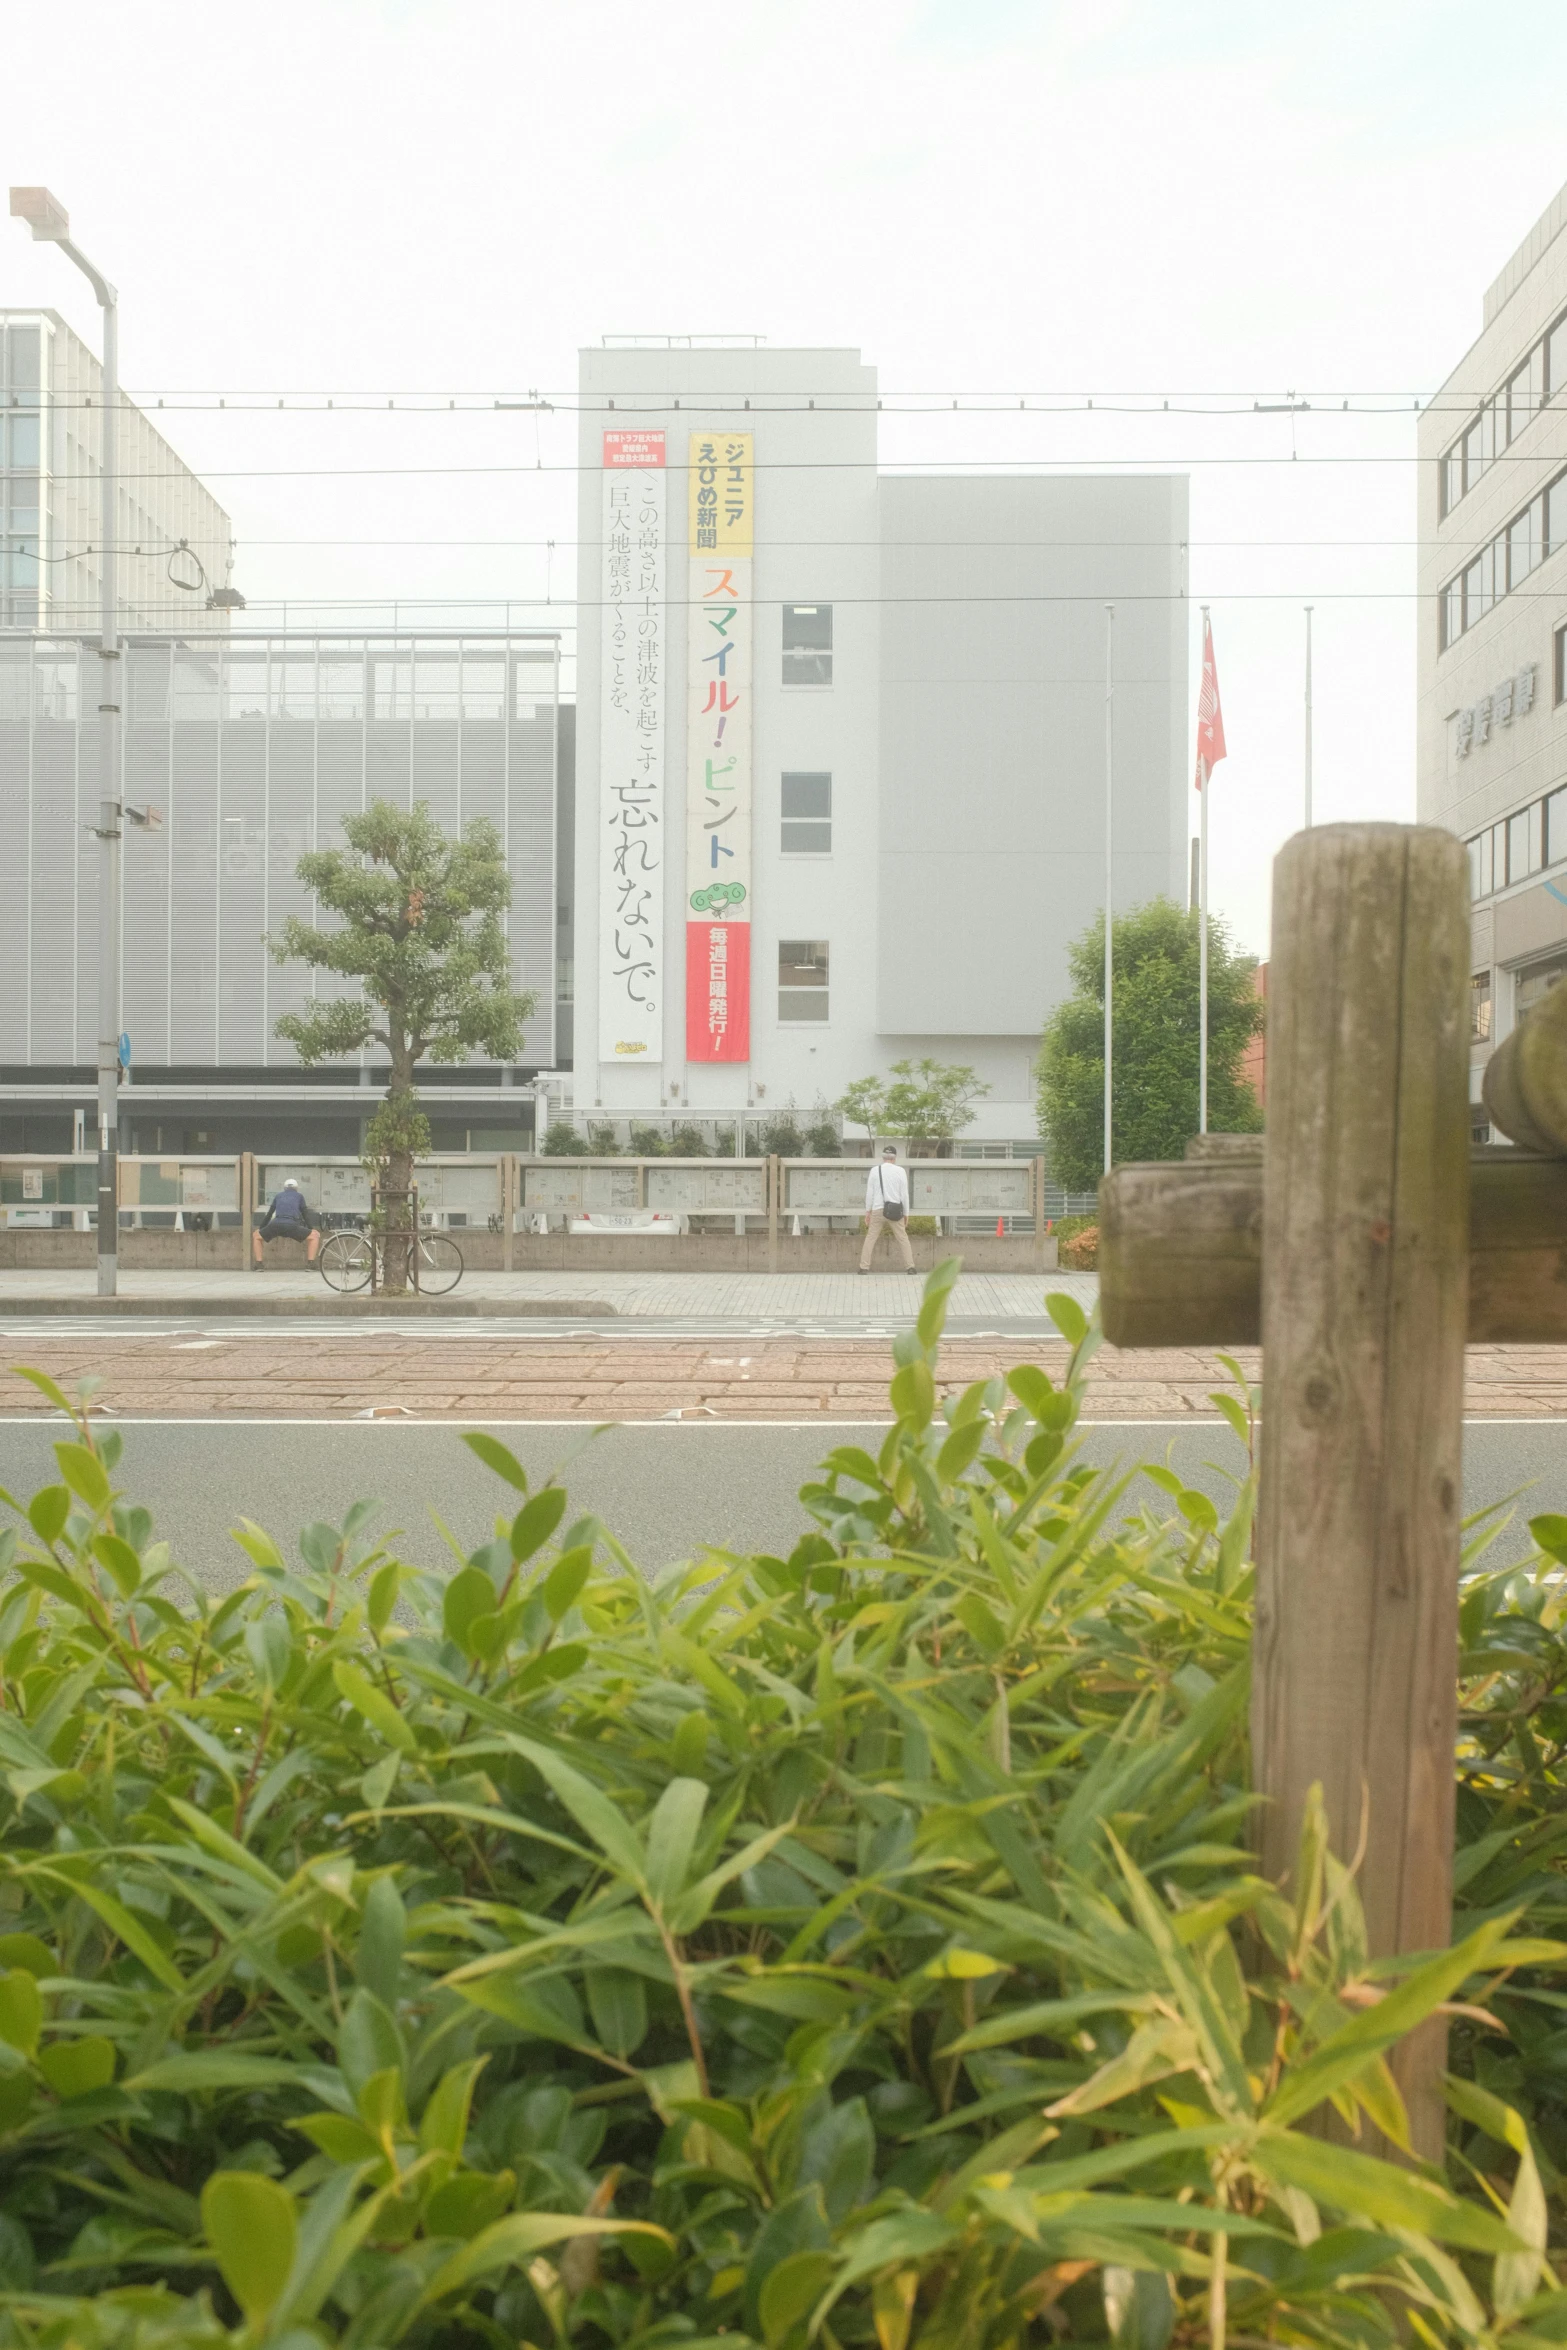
175, 539
1492, 722
915, 714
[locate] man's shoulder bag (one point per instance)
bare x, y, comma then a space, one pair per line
891, 1209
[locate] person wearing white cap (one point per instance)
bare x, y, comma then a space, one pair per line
288, 1218
887, 1203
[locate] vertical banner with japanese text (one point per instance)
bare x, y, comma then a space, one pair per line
632, 729
720, 683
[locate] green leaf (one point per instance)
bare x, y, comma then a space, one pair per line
617, 2002
495, 1456
468, 1595
512, 2242
1068, 1316
85, 1474
1033, 1389
375, 1706
21, 2010
47, 1513
45, 1386
369, 2042
1337, 2059
378, 1959
207, 2071
385, 1584
536, 1521
913, 1394
962, 1448
1550, 1532
791, 2291
564, 1582
592, 1811
376, 1785
25, 1950
1377, 2192
443, 2126
468, 2203
258, 1546
671, 1837
120, 1560
74, 2068
251, 2226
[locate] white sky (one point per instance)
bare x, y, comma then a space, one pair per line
1152, 197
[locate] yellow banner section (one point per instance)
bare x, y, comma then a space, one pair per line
722, 491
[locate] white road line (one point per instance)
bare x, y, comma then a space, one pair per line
231, 1420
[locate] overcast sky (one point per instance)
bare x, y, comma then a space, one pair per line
1149, 197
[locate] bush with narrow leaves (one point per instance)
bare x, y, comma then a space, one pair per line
858, 1947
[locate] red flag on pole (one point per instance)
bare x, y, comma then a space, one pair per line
1210, 718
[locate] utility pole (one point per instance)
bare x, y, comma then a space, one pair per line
1308, 717
1109, 870
50, 224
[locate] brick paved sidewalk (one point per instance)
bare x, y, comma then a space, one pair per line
510, 1376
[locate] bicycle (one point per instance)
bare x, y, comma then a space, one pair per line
348, 1261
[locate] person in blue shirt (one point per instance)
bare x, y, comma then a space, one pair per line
288, 1218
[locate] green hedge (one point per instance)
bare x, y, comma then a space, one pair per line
860, 1946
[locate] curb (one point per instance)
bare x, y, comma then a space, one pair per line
311, 1308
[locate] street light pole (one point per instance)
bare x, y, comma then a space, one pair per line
50, 223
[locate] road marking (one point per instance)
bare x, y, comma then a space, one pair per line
228, 1420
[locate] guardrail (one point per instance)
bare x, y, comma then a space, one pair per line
506, 1194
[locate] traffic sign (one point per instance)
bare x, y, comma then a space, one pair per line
125, 1049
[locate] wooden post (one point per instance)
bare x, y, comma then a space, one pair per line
1036, 1201
1364, 1298
508, 1208
247, 1207
774, 1187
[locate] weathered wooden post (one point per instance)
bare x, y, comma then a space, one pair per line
1354, 1224
1365, 1249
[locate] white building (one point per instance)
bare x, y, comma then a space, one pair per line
854, 810
1492, 744
174, 537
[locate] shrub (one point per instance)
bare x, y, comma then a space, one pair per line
562, 1141
687, 1141
1079, 1251
647, 1142
601, 1139
856, 1946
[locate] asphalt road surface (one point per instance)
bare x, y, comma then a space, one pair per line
664, 1490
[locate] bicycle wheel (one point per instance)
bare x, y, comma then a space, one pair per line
345, 1261
440, 1263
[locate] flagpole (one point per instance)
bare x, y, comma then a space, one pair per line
1308, 717
1109, 860
1202, 934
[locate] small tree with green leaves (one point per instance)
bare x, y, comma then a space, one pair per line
928, 1100
1156, 997
421, 927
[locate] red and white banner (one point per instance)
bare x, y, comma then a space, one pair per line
718, 991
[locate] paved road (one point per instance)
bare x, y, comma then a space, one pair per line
662, 1489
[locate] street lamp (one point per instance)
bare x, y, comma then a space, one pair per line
50, 223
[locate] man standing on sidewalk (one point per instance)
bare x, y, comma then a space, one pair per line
887, 1202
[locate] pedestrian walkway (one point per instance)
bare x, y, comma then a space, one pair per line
798, 1299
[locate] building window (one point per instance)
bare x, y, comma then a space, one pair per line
1525, 844
1540, 530
1556, 826
1479, 1007
807, 644
802, 979
1559, 665
806, 829
1534, 985
1541, 377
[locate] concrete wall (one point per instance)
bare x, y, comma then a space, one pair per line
993, 734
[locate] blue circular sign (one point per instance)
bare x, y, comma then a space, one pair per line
125, 1049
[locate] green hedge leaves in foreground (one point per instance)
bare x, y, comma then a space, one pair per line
858, 1947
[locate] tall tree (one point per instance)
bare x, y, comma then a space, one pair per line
421, 928
929, 1101
1155, 1044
